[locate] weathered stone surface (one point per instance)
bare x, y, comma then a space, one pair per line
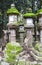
12, 36
21, 39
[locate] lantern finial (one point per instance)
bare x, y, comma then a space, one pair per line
12, 5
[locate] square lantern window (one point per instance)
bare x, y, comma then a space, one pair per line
29, 21
12, 18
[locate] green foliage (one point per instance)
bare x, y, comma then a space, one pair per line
12, 11
29, 15
12, 51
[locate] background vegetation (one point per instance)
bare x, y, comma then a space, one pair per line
23, 5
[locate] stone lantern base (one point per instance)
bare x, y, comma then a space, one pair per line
12, 28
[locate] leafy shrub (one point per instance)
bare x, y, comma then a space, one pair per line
12, 51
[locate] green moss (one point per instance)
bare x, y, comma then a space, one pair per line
39, 12
29, 15
12, 50
36, 13
20, 23
12, 11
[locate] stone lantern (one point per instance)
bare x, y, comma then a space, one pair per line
29, 26
12, 24
40, 23
21, 32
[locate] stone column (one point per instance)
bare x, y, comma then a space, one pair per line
21, 32
29, 34
21, 37
12, 36
40, 23
41, 35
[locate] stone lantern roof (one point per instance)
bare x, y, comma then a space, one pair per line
39, 12
29, 15
12, 10
39, 17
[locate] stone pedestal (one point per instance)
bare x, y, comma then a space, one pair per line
29, 34
12, 35
21, 33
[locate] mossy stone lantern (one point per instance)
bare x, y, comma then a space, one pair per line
39, 15
29, 26
12, 24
